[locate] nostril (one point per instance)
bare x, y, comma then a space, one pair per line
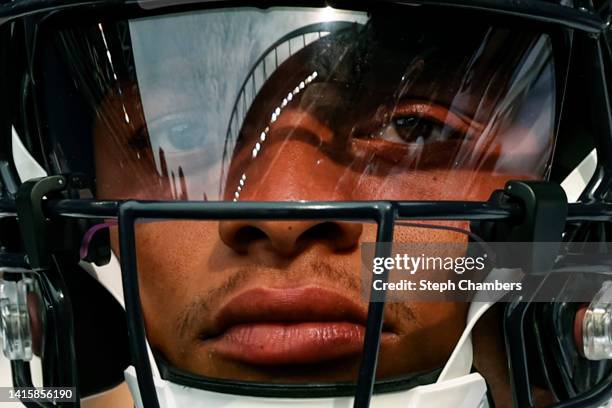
322, 231
340, 234
289, 237
246, 235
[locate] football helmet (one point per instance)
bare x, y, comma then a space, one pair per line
185, 186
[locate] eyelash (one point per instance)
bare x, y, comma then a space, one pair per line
418, 130
162, 130
449, 125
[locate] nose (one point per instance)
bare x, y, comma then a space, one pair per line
288, 171
288, 238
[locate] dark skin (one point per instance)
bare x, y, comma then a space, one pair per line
333, 143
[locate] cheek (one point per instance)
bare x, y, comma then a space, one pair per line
460, 185
172, 273
122, 172
171, 253
104, 172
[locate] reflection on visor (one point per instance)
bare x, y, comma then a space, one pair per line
317, 105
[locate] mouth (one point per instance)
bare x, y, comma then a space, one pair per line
305, 325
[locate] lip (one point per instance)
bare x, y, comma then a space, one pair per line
305, 325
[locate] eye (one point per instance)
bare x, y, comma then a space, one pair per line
178, 133
182, 134
417, 130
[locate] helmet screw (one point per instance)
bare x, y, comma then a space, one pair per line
597, 325
15, 328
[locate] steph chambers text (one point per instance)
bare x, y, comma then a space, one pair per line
425, 285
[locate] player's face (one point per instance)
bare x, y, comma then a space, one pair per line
281, 301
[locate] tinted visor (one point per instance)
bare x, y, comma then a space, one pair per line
308, 104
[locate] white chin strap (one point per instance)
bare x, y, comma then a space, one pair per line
468, 391
455, 387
